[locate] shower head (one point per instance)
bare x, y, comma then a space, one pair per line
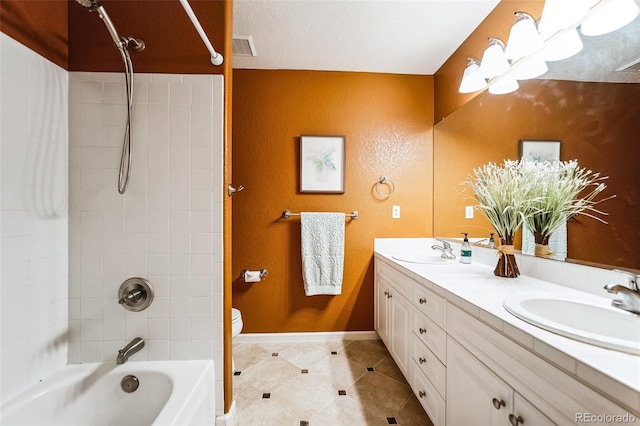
90, 4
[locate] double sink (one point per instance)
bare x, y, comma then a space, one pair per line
596, 323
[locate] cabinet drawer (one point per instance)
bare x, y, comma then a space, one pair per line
429, 365
400, 282
430, 334
430, 304
429, 398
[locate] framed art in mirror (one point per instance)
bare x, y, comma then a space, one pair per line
539, 150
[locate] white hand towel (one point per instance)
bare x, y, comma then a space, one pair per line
322, 252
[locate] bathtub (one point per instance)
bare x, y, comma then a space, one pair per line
169, 393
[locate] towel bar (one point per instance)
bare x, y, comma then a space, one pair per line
287, 214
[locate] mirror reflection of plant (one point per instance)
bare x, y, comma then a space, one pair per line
323, 160
559, 188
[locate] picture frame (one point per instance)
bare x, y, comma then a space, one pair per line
322, 164
539, 150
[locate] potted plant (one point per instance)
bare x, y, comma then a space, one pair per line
506, 196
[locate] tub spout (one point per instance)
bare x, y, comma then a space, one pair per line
134, 346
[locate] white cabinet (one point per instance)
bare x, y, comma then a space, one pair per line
465, 372
477, 396
392, 315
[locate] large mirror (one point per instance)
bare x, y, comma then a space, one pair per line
588, 104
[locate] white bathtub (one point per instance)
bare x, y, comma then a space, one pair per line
169, 393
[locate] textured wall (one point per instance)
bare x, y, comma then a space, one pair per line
34, 217
387, 121
597, 124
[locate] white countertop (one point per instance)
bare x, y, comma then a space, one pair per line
478, 291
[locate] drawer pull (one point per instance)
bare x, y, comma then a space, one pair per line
515, 421
422, 394
497, 403
422, 300
422, 360
422, 330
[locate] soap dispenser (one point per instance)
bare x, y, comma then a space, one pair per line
465, 250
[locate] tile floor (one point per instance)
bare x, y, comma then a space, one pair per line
335, 383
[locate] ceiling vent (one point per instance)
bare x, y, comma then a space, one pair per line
632, 67
243, 46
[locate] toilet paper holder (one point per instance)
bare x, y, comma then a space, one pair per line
263, 273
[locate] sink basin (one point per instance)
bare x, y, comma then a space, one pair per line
426, 258
598, 324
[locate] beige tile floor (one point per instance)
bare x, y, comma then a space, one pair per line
350, 383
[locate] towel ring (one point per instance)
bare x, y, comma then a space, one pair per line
384, 181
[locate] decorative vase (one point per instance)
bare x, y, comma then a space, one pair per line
507, 266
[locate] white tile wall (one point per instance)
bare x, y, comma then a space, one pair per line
167, 228
33, 217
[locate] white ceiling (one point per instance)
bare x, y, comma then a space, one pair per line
386, 36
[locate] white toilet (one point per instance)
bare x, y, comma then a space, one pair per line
236, 328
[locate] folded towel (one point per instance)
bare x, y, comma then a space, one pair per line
322, 252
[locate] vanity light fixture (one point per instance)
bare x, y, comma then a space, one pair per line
553, 38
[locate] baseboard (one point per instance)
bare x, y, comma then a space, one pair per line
228, 418
306, 337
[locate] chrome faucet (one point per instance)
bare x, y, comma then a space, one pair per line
134, 346
445, 250
630, 300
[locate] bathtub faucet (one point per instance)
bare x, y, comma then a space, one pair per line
134, 346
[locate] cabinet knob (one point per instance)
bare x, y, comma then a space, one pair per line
422, 300
422, 394
422, 330
515, 421
498, 403
386, 293
390, 296
422, 360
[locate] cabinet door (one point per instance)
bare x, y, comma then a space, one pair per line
382, 310
525, 414
399, 330
475, 395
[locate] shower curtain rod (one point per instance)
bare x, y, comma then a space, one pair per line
216, 58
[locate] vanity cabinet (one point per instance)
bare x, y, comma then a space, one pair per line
476, 395
409, 319
466, 372
392, 315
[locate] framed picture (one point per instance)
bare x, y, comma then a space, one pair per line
322, 164
539, 150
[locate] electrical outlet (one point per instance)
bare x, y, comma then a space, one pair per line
468, 212
395, 212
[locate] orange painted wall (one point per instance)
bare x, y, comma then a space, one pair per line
598, 125
172, 43
387, 121
40, 25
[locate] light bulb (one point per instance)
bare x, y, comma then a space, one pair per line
494, 61
524, 38
563, 46
610, 16
472, 81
